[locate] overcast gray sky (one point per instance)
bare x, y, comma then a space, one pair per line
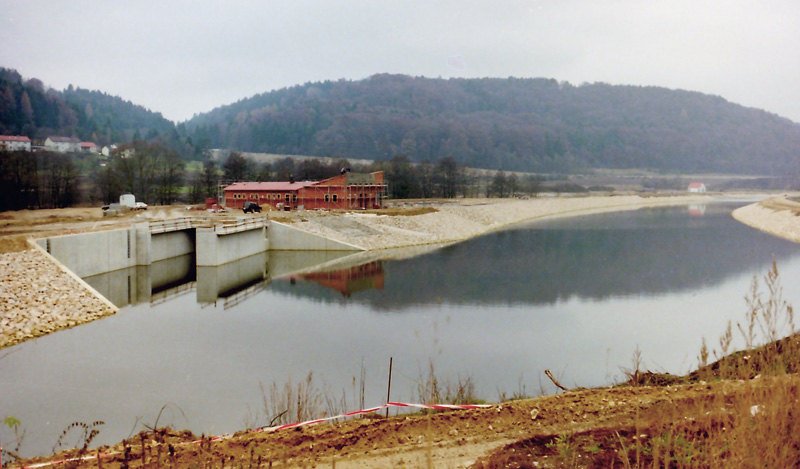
183, 57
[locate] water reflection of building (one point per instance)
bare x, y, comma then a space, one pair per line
348, 281
697, 210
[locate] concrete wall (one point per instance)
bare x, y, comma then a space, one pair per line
287, 238
94, 253
215, 249
89, 254
171, 244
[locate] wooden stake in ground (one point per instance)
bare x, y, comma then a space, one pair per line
553, 379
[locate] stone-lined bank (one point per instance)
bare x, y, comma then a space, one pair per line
38, 297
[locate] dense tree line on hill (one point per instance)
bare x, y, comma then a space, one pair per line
29, 108
531, 125
535, 125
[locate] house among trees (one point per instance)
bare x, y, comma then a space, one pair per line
345, 191
15, 143
62, 144
697, 187
89, 147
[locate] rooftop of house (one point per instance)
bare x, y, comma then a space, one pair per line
14, 138
64, 139
267, 186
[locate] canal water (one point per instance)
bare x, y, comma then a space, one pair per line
578, 296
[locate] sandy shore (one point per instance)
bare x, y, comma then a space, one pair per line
37, 297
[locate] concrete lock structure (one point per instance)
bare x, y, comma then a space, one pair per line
130, 264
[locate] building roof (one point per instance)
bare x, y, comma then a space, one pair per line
64, 139
88, 145
14, 138
268, 186
696, 185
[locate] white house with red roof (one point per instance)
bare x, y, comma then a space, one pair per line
89, 147
697, 187
15, 143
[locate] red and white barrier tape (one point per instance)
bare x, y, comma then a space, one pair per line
375, 409
282, 427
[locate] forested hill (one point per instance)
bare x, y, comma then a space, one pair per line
512, 124
28, 108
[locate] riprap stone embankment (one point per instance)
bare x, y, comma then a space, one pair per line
37, 297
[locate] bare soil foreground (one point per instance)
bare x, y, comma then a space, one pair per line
741, 411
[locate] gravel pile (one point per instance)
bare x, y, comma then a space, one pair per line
36, 298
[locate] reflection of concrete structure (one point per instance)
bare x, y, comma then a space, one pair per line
346, 191
139, 284
348, 281
227, 279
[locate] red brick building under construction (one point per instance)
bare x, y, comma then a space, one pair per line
346, 191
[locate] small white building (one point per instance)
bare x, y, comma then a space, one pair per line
62, 144
697, 187
15, 143
108, 149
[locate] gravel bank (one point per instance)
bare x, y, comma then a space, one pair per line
778, 216
464, 219
37, 297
